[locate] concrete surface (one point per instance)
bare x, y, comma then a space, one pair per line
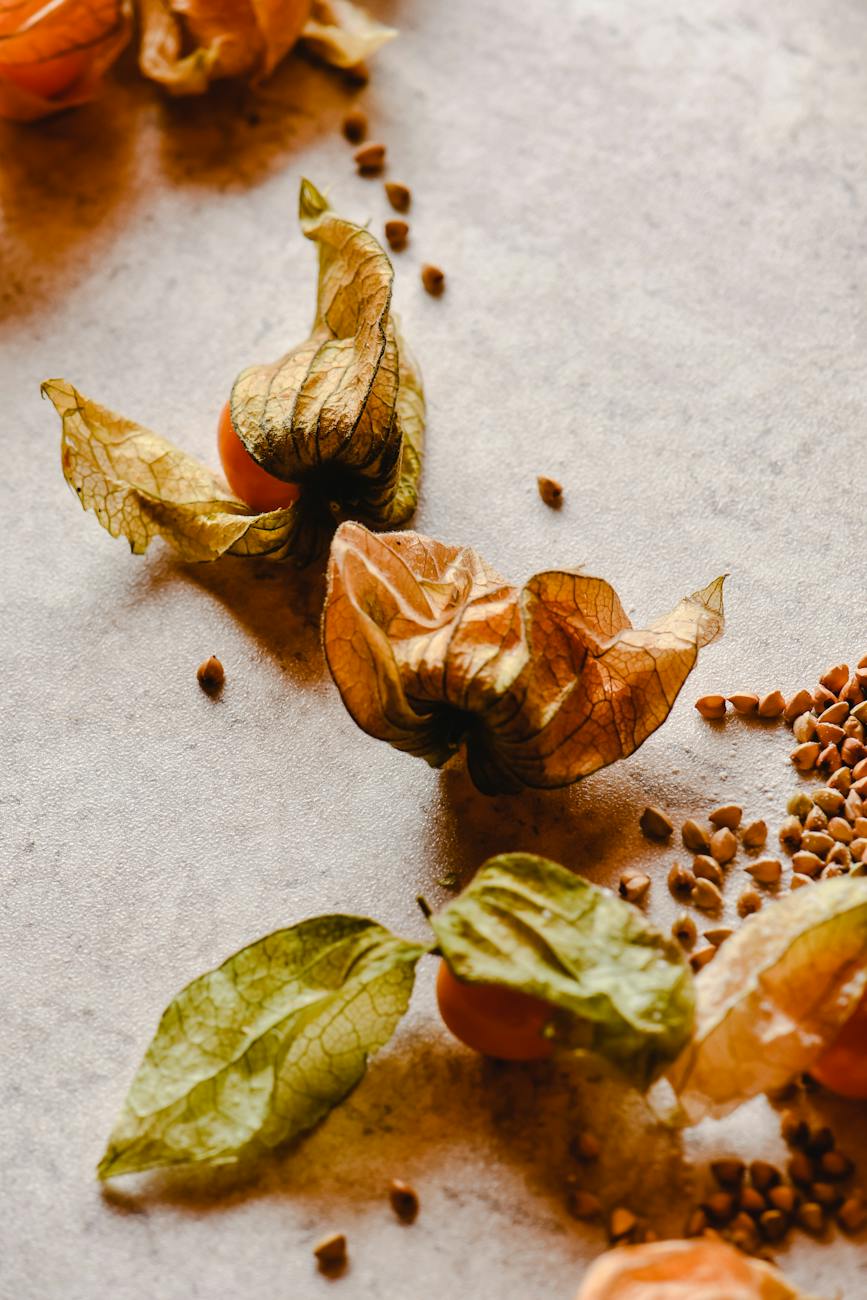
653, 217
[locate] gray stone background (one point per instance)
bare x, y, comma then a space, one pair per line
652, 218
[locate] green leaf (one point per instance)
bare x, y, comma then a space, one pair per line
775, 996
623, 990
260, 1049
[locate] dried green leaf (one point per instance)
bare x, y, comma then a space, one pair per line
620, 988
342, 415
139, 486
775, 996
259, 1050
543, 684
343, 33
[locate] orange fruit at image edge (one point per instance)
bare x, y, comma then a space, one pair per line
249, 481
49, 78
495, 1021
843, 1068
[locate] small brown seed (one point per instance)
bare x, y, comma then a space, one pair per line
750, 901
695, 837
707, 868
370, 159
840, 856
795, 1130
798, 703
841, 780
799, 805
804, 756
621, 1223
355, 125
330, 1252
783, 1198
852, 751
711, 706
830, 801
680, 879
772, 705
790, 833
723, 845
832, 871
819, 1141
728, 814
765, 871
840, 830
698, 960
815, 820
773, 1225
835, 678
211, 674
852, 692
811, 1216
852, 1214
719, 1207
826, 1194
585, 1146
800, 1168
828, 734
550, 491
859, 771
818, 842
862, 662
404, 1200
822, 699
707, 896
829, 759
718, 935
584, 1205
860, 786
755, 835
397, 233
858, 849
860, 712
744, 1234
798, 880
854, 806
433, 279
752, 1201
859, 826
744, 702
684, 930
854, 729
834, 714
634, 885
804, 727
729, 1173
655, 825
399, 196
835, 1166
764, 1175
807, 864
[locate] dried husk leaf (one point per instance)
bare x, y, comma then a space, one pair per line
543, 684
775, 997
140, 487
344, 34
684, 1270
187, 44
75, 38
343, 415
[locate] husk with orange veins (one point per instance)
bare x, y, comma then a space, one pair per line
684, 1270
187, 44
542, 684
53, 56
